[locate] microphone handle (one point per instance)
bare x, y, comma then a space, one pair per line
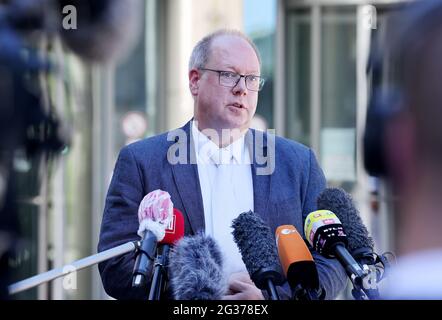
160, 274
144, 260
271, 290
313, 295
355, 272
301, 294
352, 268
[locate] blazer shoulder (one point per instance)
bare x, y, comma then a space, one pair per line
148, 145
291, 147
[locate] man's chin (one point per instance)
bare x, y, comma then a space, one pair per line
236, 126
240, 122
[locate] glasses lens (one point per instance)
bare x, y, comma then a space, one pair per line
254, 83
228, 78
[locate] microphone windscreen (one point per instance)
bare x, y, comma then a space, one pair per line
256, 243
105, 30
195, 269
175, 228
341, 204
155, 213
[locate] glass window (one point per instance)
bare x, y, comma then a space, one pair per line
135, 84
338, 93
259, 25
298, 75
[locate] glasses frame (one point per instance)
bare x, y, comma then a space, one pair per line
245, 76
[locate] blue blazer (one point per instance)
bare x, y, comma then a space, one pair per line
286, 196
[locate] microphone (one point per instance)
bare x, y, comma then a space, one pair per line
154, 214
195, 268
105, 30
326, 235
360, 244
298, 264
174, 232
258, 250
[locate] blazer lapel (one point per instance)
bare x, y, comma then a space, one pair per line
187, 182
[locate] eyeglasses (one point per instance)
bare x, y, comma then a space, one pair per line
231, 79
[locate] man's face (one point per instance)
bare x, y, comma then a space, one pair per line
219, 107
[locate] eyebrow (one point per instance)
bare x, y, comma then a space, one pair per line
254, 73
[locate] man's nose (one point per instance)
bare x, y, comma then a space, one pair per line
240, 87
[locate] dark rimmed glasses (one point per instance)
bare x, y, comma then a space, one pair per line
230, 79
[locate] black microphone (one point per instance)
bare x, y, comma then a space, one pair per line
258, 250
174, 232
195, 269
360, 244
326, 235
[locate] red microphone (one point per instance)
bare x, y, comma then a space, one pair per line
175, 228
174, 232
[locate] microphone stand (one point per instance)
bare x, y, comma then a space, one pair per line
375, 267
159, 277
365, 287
360, 276
271, 290
73, 267
309, 294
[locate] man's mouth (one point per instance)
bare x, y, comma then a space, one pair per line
238, 105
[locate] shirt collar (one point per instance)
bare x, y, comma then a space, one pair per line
206, 148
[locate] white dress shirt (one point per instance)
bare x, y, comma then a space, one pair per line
227, 190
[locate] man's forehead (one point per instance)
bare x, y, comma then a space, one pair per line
228, 43
228, 46
225, 38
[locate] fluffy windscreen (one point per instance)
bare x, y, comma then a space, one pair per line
341, 203
255, 242
195, 269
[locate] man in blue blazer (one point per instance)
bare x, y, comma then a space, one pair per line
276, 178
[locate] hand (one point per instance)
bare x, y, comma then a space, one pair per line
241, 287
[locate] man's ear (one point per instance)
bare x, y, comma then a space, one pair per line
194, 78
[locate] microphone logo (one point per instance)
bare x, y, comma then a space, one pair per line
284, 232
328, 221
287, 231
318, 219
323, 230
171, 226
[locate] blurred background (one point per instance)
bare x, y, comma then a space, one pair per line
314, 55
